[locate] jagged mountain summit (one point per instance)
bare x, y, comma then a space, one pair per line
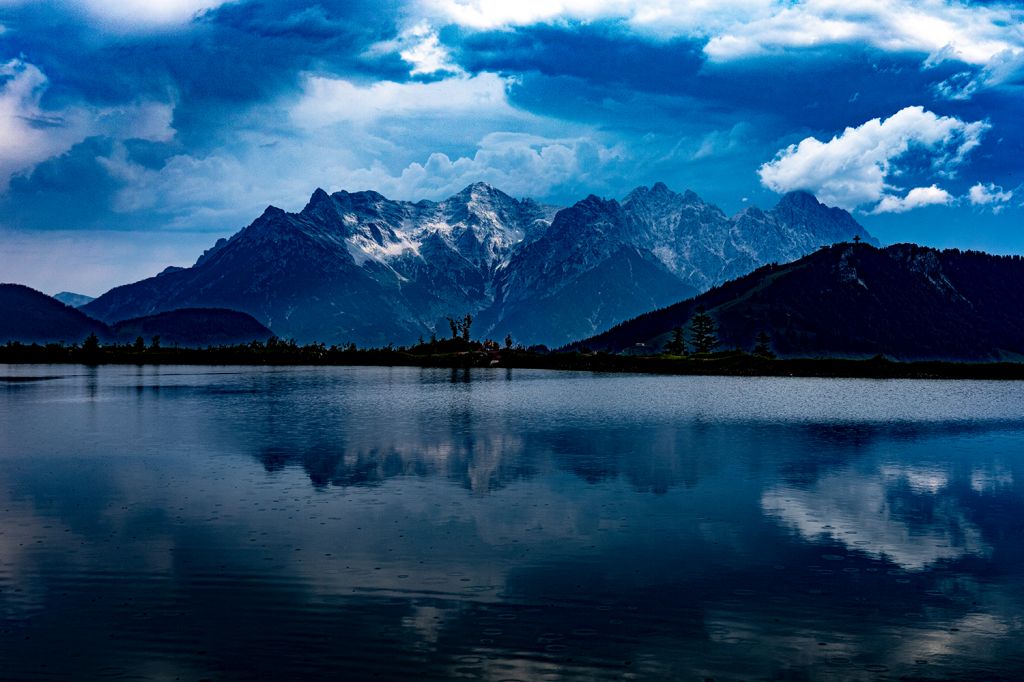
358, 267
704, 247
904, 301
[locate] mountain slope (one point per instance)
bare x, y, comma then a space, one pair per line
30, 316
904, 301
287, 273
582, 275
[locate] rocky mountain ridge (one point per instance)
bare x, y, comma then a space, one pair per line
358, 267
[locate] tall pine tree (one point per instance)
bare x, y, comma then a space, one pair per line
677, 345
703, 334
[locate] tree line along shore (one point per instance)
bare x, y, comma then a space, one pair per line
459, 352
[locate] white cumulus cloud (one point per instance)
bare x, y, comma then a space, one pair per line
915, 198
989, 194
854, 168
984, 194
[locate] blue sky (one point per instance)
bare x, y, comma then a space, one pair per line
133, 133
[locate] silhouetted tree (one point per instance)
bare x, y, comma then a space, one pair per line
508, 342
467, 322
763, 347
140, 344
703, 332
154, 343
676, 346
454, 325
91, 345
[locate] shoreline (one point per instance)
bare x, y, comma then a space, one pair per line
719, 364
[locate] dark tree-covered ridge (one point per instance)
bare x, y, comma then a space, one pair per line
855, 300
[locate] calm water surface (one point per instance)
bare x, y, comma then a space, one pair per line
225, 523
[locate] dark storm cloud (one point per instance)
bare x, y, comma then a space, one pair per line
600, 53
72, 190
233, 56
817, 89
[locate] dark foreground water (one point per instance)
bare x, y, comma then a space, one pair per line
225, 523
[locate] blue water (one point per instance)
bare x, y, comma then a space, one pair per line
376, 523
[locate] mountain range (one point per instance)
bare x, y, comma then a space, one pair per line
904, 301
30, 316
358, 267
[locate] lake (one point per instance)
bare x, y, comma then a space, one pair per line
398, 523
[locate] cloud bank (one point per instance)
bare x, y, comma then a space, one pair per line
737, 29
30, 133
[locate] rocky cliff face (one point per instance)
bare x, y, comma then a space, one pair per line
358, 267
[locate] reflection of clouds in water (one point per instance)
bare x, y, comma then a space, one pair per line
921, 479
991, 480
977, 633
864, 512
861, 650
22, 543
427, 622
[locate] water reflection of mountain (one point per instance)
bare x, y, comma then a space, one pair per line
486, 452
478, 463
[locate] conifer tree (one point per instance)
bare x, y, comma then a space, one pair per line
677, 345
763, 347
703, 335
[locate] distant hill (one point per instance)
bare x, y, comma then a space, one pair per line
72, 299
904, 301
194, 327
359, 267
31, 316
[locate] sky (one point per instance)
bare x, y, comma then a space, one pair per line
134, 133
